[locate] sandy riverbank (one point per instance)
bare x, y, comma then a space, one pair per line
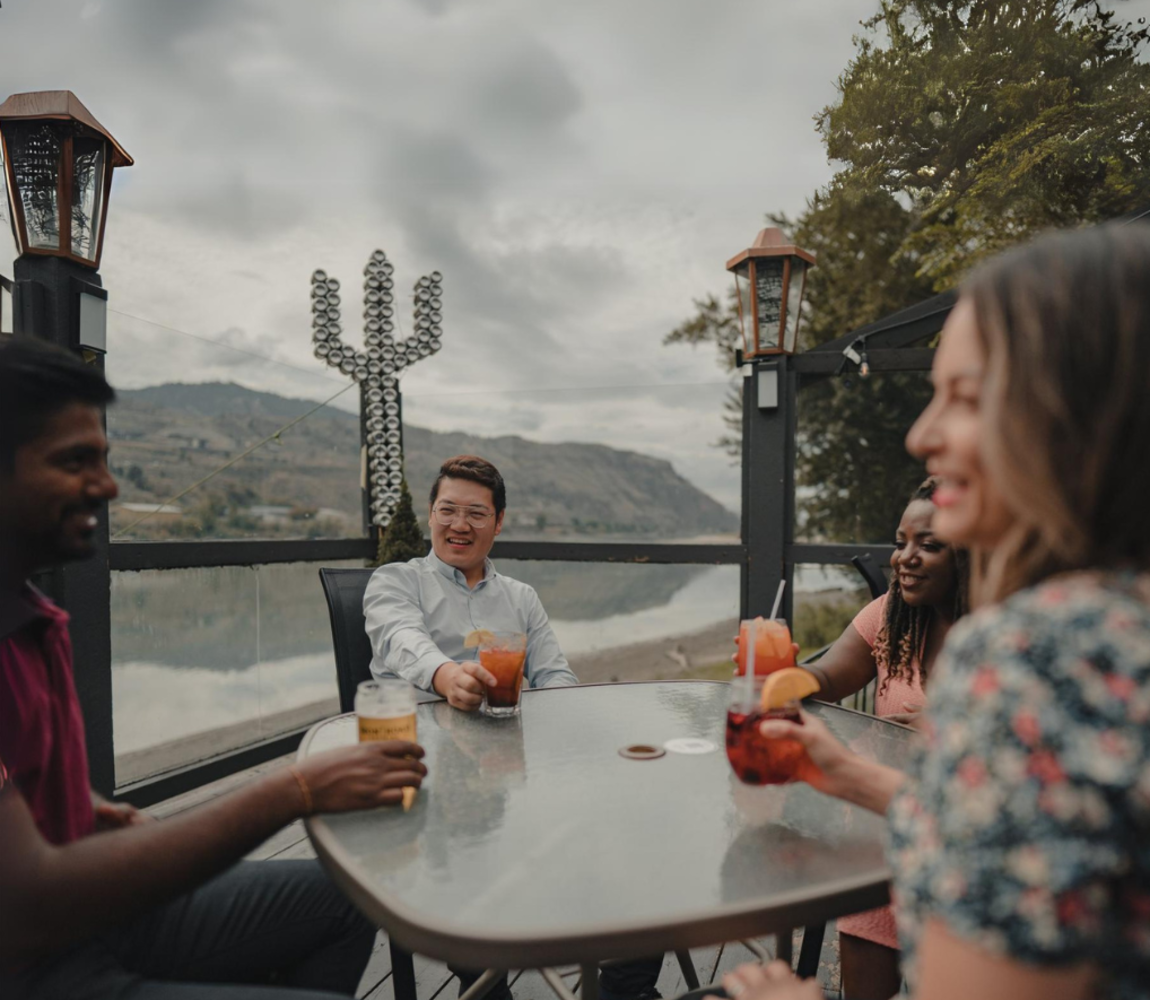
700, 654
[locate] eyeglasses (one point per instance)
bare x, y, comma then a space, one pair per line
477, 517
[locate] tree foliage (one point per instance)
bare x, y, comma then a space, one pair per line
961, 128
402, 540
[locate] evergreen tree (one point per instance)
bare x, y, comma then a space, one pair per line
402, 540
962, 127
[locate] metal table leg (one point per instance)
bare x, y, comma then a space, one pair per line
482, 985
687, 966
590, 974
558, 987
402, 972
784, 946
811, 951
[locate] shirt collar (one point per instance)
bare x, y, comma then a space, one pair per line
23, 609
456, 575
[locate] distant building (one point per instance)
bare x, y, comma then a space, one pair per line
162, 512
270, 513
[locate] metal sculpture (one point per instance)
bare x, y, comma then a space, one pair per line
378, 366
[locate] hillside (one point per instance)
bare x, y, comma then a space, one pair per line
166, 437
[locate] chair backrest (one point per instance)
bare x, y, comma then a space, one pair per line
344, 589
870, 571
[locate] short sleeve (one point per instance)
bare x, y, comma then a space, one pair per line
1020, 831
868, 622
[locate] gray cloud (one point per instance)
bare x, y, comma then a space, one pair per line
579, 172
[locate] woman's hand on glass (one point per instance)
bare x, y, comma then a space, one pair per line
826, 764
832, 769
735, 654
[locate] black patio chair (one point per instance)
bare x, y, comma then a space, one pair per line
344, 589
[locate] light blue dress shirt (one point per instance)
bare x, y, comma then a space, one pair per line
419, 612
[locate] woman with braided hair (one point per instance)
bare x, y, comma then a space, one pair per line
895, 640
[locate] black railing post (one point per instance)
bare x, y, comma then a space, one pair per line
768, 482
46, 304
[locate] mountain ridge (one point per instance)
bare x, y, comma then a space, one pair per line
163, 434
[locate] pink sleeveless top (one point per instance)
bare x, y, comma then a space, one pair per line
878, 925
899, 691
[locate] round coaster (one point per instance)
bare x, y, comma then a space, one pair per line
690, 744
641, 751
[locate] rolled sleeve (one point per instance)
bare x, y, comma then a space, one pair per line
546, 664
400, 642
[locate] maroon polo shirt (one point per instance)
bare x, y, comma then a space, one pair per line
41, 729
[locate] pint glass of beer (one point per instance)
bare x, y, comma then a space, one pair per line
385, 710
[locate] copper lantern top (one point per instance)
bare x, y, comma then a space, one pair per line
61, 104
771, 242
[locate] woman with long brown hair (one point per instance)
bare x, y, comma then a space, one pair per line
1020, 842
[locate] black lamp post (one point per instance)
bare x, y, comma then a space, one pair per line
770, 278
58, 162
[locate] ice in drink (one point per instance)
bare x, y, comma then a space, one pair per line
504, 655
773, 649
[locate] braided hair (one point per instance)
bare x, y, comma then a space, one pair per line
902, 636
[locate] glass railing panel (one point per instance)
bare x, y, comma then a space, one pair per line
632, 622
297, 665
205, 661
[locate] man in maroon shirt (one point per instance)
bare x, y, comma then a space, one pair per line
96, 900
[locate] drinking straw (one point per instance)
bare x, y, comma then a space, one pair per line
749, 669
778, 598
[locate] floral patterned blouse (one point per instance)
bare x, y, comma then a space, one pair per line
1026, 825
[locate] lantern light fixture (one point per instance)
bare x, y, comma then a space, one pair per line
58, 163
770, 278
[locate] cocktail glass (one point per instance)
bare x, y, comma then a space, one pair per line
755, 759
773, 649
503, 654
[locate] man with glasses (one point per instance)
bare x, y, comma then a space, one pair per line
420, 612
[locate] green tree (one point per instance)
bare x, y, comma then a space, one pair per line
402, 540
961, 128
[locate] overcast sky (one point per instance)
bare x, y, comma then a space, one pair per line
577, 171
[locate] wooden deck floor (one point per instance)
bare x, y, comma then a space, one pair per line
433, 979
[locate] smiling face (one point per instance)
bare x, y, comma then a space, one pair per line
59, 479
923, 565
951, 434
460, 543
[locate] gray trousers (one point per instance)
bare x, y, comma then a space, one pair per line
263, 930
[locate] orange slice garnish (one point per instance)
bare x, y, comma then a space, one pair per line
477, 637
789, 684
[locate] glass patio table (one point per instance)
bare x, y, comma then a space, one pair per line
535, 843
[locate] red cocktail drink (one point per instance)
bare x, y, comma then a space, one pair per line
504, 655
756, 759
